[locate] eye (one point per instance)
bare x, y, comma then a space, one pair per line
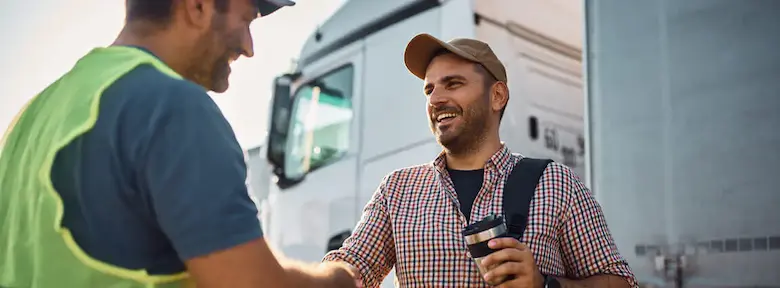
454, 84
428, 89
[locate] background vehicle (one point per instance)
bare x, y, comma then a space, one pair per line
352, 113
682, 113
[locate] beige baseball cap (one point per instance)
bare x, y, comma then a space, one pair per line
422, 48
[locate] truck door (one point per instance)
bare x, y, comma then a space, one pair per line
683, 140
316, 187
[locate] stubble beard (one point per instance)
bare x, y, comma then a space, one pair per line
469, 136
206, 65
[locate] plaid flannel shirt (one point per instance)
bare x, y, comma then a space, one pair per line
413, 222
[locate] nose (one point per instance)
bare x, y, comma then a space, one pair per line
436, 99
247, 45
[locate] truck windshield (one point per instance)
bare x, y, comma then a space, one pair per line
320, 123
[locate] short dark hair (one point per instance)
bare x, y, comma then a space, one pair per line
159, 11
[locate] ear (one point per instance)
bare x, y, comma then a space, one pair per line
499, 96
197, 13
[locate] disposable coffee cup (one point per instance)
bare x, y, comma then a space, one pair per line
477, 236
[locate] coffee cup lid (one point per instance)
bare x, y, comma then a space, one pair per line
486, 223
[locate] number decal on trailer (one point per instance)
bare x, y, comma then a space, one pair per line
551, 139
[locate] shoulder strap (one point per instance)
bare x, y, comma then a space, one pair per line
519, 190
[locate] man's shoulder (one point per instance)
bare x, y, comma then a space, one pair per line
410, 173
560, 172
152, 78
401, 179
148, 84
146, 102
561, 179
147, 94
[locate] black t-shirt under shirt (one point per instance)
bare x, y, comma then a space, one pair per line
467, 184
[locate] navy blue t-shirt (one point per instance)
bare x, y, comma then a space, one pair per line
467, 185
159, 179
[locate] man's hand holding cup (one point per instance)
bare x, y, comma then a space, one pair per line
513, 261
502, 260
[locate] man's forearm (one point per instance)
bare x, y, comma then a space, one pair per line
598, 281
323, 275
314, 275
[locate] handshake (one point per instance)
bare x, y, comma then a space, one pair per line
338, 274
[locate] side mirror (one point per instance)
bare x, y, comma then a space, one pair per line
279, 123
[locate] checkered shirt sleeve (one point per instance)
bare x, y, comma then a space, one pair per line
587, 246
370, 248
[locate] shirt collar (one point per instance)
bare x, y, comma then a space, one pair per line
144, 49
500, 161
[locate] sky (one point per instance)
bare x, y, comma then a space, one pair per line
44, 38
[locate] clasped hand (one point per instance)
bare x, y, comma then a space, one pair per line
355, 273
514, 259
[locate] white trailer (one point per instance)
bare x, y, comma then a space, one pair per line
352, 113
683, 111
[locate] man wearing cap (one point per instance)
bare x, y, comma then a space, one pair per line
414, 220
124, 172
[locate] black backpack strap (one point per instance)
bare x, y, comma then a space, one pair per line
519, 190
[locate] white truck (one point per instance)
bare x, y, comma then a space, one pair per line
654, 142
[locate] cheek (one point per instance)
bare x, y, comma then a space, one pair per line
465, 98
476, 108
236, 37
212, 43
226, 40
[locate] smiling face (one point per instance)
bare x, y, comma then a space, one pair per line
459, 103
227, 38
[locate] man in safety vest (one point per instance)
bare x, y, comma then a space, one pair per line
124, 172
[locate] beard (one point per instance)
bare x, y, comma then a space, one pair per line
467, 135
220, 74
210, 65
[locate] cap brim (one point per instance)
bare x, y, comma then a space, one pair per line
266, 7
421, 49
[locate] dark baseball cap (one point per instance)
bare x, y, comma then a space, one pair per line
422, 48
266, 7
